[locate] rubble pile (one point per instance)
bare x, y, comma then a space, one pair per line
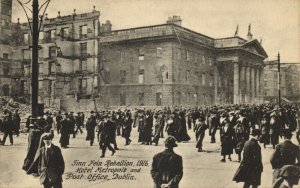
23, 106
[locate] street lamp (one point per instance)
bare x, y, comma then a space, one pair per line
35, 28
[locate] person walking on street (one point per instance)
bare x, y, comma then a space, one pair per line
51, 164
105, 130
7, 127
90, 128
200, 128
251, 166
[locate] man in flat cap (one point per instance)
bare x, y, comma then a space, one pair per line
51, 163
167, 167
286, 153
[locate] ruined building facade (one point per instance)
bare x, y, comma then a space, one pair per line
83, 64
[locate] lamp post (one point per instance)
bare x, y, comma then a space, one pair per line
35, 28
279, 80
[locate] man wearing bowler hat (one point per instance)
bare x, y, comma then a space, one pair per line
51, 163
167, 167
286, 153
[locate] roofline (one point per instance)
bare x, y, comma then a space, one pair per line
230, 38
149, 26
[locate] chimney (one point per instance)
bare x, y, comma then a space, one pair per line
249, 35
106, 27
236, 34
174, 20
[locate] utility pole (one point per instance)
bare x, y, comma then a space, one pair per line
279, 82
35, 27
35, 59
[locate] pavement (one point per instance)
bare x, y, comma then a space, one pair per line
200, 169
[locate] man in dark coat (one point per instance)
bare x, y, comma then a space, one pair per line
58, 120
7, 127
127, 127
79, 122
214, 123
106, 133
167, 166
286, 153
251, 166
90, 128
16, 122
200, 128
51, 164
65, 132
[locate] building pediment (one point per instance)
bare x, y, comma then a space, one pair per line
255, 47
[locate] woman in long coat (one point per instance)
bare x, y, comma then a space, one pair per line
265, 130
182, 135
227, 135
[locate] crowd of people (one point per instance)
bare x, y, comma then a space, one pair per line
239, 126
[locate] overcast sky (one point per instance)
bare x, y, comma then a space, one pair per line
277, 22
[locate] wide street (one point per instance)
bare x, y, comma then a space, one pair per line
199, 169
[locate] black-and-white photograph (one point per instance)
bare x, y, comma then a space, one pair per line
149, 93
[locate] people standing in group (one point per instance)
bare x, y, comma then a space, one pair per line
240, 136
167, 168
251, 165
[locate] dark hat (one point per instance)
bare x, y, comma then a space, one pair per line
170, 142
47, 136
255, 132
289, 171
287, 132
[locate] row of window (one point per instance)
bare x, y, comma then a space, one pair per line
64, 33
190, 56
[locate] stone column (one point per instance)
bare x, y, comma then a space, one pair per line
236, 84
216, 77
242, 84
252, 85
257, 85
261, 84
247, 90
